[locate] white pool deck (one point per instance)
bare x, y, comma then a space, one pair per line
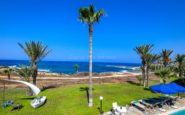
173, 111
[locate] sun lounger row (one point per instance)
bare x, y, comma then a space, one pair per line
155, 105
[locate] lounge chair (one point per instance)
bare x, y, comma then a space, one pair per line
145, 103
141, 107
158, 103
171, 103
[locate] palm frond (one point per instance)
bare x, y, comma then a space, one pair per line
89, 15
36, 51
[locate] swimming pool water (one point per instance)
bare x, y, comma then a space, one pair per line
182, 112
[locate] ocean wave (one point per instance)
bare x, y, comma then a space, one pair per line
124, 71
124, 67
135, 68
115, 66
17, 67
13, 66
43, 70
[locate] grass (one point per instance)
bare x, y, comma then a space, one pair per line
72, 100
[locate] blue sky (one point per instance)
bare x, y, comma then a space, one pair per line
128, 23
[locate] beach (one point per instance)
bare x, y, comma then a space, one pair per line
46, 79
54, 79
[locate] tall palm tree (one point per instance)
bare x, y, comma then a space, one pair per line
36, 51
89, 16
180, 60
150, 59
165, 54
144, 51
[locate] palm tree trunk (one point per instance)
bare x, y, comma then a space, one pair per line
180, 71
144, 79
9, 76
34, 75
147, 76
90, 65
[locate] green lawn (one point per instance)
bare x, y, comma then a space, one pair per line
70, 100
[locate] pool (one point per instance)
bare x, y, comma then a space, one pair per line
181, 112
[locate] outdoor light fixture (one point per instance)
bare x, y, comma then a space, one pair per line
101, 111
101, 98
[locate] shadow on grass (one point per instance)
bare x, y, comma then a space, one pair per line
48, 87
27, 98
133, 83
101, 111
147, 89
86, 89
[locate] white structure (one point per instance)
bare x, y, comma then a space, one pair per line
34, 88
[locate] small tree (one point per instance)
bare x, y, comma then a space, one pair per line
76, 66
8, 72
180, 60
140, 79
164, 74
25, 72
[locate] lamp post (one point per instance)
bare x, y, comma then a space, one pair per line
101, 111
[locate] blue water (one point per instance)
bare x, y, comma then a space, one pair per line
68, 67
182, 112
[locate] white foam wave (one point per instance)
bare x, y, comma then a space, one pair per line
135, 68
124, 67
43, 70
124, 71
115, 66
13, 66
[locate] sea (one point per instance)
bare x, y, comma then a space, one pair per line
67, 67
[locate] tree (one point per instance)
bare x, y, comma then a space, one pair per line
144, 51
165, 54
140, 79
25, 72
89, 16
180, 60
76, 68
8, 72
164, 74
150, 59
36, 51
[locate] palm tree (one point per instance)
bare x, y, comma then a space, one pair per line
180, 60
8, 72
76, 66
89, 16
36, 51
150, 59
165, 54
25, 72
164, 74
144, 51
